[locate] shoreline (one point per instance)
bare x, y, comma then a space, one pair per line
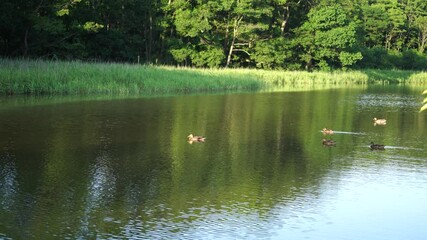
40, 77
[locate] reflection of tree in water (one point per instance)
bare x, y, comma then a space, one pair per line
424, 107
263, 168
102, 182
8, 184
101, 189
231, 192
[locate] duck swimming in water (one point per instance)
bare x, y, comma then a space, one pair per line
328, 142
327, 131
192, 138
380, 121
377, 146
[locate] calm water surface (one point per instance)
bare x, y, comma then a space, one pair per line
122, 169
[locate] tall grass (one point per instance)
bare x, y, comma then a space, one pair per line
396, 76
78, 78
46, 77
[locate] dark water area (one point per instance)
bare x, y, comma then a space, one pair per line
123, 169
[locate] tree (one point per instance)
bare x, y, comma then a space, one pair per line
421, 25
415, 10
327, 38
395, 35
288, 13
198, 35
272, 53
203, 28
31, 27
375, 22
246, 21
210, 33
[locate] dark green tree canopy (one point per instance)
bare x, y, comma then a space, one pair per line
275, 34
327, 38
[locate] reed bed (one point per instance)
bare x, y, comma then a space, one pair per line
396, 76
418, 79
78, 78
46, 77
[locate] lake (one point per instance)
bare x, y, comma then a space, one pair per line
76, 168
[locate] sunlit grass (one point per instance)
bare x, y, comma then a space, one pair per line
45, 77
78, 78
396, 76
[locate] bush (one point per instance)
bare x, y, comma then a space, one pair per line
379, 58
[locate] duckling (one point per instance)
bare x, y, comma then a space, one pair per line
327, 131
377, 146
192, 138
328, 142
380, 121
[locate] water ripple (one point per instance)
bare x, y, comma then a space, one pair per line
386, 100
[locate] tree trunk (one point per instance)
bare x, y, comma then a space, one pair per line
285, 18
230, 52
422, 41
150, 44
235, 32
148, 32
26, 41
388, 38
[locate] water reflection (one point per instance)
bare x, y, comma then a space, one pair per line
8, 183
394, 101
124, 169
101, 191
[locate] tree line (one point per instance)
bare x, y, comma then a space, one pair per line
268, 34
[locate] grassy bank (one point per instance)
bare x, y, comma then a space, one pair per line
57, 77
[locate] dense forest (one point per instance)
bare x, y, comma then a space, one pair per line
268, 34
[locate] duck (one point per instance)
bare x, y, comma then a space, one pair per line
380, 121
327, 131
377, 146
328, 142
192, 138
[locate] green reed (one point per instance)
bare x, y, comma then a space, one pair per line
46, 77
78, 78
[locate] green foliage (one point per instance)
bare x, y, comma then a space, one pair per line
382, 59
421, 25
246, 23
348, 59
325, 35
375, 58
396, 27
202, 57
276, 34
49, 25
211, 57
181, 55
191, 23
272, 53
412, 60
92, 26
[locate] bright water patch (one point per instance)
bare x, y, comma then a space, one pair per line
392, 101
350, 133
